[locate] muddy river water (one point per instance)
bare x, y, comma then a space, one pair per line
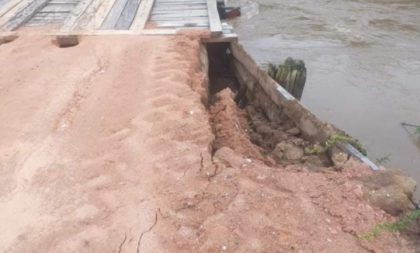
363, 61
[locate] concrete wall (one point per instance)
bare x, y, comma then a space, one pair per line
279, 105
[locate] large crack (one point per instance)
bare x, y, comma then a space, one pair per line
122, 243
147, 230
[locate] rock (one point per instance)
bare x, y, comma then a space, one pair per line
8, 37
407, 184
390, 190
265, 130
293, 131
280, 136
256, 139
278, 154
225, 155
294, 152
313, 149
313, 161
67, 40
290, 150
338, 157
298, 141
391, 199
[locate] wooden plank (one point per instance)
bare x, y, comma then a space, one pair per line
173, 5
142, 15
183, 19
157, 10
61, 12
9, 10
182, 2
162, 7
50, 14
63, 3
178, 1
71, 21
4, 2
148, 32
57, 8
181, 13
24, 14
74, 2
95, 14
179, 24
179, 17
46, 19
214, 19
11, 5
178, 7
157, 4
231, 37
115, 13
128, 14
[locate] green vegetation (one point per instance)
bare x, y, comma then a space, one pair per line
383, 160
416, 127
332, 141
400, 225
315, 150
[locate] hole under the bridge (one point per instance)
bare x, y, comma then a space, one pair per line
242, 125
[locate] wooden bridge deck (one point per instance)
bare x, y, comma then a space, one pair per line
113, 16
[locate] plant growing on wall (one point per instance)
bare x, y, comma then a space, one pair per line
332, 141
383, 160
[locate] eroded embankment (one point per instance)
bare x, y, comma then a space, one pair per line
109, 147
251, 133
249, 123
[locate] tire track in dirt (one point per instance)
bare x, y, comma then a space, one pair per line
66, 116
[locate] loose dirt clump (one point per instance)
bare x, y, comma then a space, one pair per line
390, 190
250, 132
230, 126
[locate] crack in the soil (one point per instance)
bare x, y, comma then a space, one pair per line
185, 173
216, 169
147, 230
122, 243
200, 169
201, 162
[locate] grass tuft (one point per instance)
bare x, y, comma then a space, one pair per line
332, 141
383, 160
400, 225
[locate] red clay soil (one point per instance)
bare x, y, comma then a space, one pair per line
107, 147
228, 123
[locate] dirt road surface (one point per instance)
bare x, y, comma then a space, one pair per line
107, 147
